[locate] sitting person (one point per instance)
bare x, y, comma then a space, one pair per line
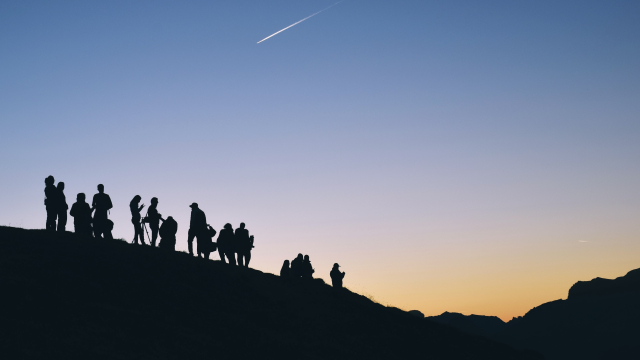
336, 276
108, 227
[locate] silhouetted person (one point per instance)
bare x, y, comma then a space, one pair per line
101, 205
205, 242
168, 231
62, 208
285, 272
296, 267
241, 240
108, 228
226, 243
153, 219
51, 202
336, 276
197, 226
247, 252
81, 212
307, 269
135, 219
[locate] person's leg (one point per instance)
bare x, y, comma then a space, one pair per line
221, 253
206, 255
239, 256
154, 235
51, 220
231, 257
247, 258
190, 241
62, 221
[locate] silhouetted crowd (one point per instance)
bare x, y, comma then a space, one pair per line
234, 247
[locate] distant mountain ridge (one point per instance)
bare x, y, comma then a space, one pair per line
599, 286
473, 324
599, 320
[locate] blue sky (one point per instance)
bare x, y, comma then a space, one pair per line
395, 137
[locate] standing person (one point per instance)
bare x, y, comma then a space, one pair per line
197, 226
241, 242
153, 219
62, 208
168, 231
101, 205
307, 269
51, 202
205, 242
285, 272
296, 267
336, 276
225, 244
81, 212
247, 251
135, 219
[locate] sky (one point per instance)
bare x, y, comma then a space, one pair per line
462, 156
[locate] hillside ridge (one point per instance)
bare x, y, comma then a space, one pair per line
73, 298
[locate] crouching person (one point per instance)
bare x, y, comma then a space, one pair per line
336, 276
168, 231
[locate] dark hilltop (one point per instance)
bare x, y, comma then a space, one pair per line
66, 298
598, 320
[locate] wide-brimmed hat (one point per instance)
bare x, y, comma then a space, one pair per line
193, 205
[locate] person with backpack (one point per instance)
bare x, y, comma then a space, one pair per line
167, 232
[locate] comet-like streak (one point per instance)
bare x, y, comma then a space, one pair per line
294, 24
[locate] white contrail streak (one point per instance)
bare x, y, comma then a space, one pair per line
294, 24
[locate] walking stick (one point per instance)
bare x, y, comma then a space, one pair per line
145, 230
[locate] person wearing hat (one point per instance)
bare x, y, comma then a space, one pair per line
197, 226
336, 276
153, 219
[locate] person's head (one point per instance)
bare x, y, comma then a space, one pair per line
169, 218
154, 200
60, 185
251, 237
228, 226
286, 263
136, 199
49, 180
299, 256
194, 206
306, 257
241, 225
81, 197
100, 188
335, 266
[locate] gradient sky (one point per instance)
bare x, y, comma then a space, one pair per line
476, 157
